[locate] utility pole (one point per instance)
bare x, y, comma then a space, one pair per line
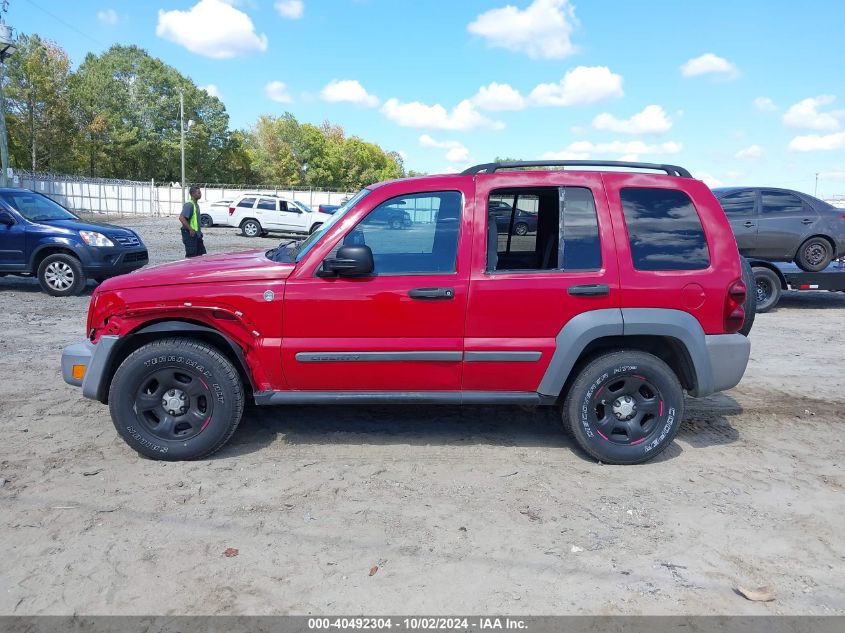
816, 190
182, 129
182, 142
7, 47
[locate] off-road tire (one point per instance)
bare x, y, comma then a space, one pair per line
61, 275
767, 288
141, 389
251, 228
750, 304
814, 255
655, 417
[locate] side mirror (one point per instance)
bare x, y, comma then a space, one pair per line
351, 261
6, 218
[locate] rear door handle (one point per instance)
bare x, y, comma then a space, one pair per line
589, 290
432, 293
748, 223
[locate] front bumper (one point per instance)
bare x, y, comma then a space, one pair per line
95, 360
729, 355
110, 262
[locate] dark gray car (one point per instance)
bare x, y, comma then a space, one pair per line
784, 225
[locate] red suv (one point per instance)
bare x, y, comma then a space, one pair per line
628, 294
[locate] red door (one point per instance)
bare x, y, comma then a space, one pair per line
559, 264
400, 329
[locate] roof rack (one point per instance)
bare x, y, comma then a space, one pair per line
489, 168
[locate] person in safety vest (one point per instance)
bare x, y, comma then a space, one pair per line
190, 221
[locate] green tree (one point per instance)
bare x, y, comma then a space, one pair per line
36, 85
126, 103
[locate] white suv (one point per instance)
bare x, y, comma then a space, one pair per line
258, 214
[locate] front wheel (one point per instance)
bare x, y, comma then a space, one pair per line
315, 227
251, 228
624, 407
521, 228
176, 399
61, 275
814, 255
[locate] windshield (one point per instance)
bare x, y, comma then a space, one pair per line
36, 207
337, 216
303, 206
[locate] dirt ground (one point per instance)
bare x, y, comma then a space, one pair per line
468, 510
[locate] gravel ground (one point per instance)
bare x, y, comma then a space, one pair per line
442, 510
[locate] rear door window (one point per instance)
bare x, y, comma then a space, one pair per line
267, 204
739, 204
247, 202
664, 230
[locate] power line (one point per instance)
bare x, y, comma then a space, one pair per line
67, 24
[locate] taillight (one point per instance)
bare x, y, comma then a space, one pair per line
735, 306
231, 210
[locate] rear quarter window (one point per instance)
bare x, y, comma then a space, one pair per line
664, 230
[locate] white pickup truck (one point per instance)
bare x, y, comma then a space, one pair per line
259, 214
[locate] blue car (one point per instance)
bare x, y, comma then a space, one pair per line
39, 237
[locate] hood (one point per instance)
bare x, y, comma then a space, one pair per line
87, 225
208, 269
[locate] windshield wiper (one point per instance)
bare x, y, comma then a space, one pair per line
271, 254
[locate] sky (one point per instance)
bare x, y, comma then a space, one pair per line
739, 92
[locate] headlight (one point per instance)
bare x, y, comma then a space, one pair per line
93, 238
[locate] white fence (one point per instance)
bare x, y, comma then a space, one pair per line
126, 197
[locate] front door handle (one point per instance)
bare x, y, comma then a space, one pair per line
807, 221
589, 290
748, 224
432, 293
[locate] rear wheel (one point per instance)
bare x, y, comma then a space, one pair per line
395, 223
60, 275
206, 221
624, 407
767, 288
176, 399
251, 228
814, 255
750, 297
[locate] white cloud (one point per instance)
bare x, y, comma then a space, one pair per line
350, 91
710, 181
212, 90
580, 86
764, 104
582, 150
805, 114
652, 120
211, 28
816, 142
107, 17
754, 151
498, 97
709, 64
463, 116
278, 92
542, 30
457, 152
291, 9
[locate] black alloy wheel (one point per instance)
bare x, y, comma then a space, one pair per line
624, 407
